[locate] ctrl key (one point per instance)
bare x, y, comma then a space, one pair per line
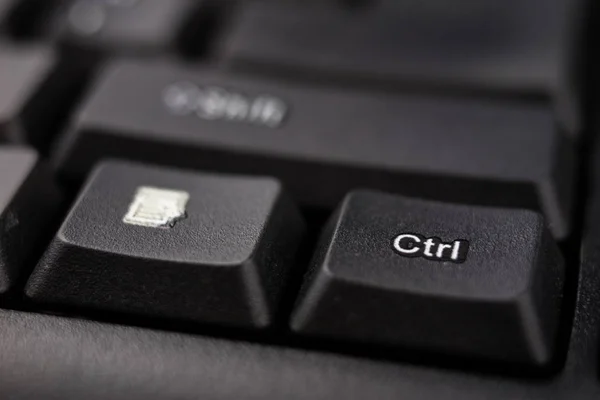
474, 282
174, 245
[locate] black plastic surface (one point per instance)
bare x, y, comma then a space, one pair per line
524, 49
225, 261
323, 143
60, 358
472, 281
52, 357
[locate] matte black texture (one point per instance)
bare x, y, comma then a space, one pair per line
59, 358
224, 263
53, 357
29, 201
516, 48
328, 141
502, 301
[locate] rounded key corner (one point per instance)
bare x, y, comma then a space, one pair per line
533, 215
528, 217
109, 163
314, 291
298, 321
117, 67
62, 237
350, 198
360, 193
35, 287
273, 183
31, 290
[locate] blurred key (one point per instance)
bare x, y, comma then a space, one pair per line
528, 49
173, 244
461, 280
124, 26
28, 202
324, 143
34, 93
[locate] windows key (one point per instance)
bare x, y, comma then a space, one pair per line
474, 282
171, 244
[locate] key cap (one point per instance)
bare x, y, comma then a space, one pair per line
35, 92
124, 26
29, 201
471, 281
173, 244
130, 363
527, 49
323, 143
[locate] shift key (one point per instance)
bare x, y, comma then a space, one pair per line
324, 142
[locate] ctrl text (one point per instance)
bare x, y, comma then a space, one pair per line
415, 245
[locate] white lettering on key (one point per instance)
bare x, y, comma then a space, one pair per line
217, 103
414, 245
406, 244
428, 244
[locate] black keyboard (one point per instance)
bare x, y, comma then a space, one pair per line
254, 199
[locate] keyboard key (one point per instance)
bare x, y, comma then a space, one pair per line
474, 152
28, 202
35, 92
470, 281
131, 26
528, 49
174, 245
